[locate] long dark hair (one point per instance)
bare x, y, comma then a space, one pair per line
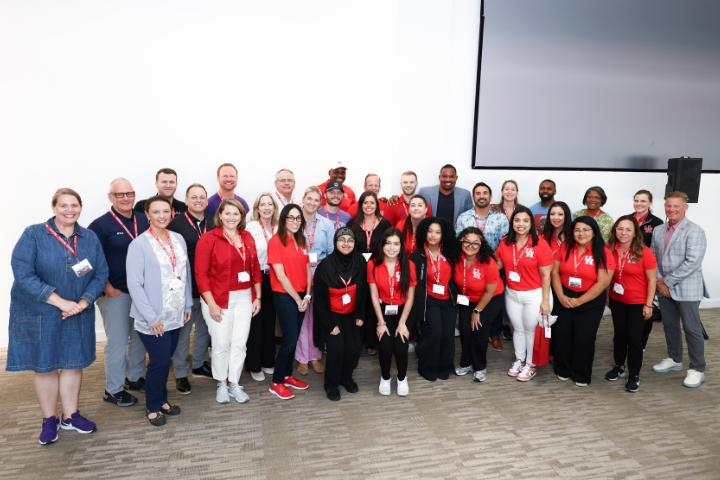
598, 244
485, 254
408, 221
512, 236
637, 244
449, 245
282, 228
567, 227
378, 255
356, 223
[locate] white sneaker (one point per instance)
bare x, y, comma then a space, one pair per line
480, 375
457, 332
402, 388
222, 395
515, 368
668, 365
411, 347
562, 379
269, 371
258, 376
460, 371
694, 378
581, 384
527, 373
384, 386
238, 393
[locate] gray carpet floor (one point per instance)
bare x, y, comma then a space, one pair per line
447, 429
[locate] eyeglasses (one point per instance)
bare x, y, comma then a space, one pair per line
347, 241
124, 194
620, 229
582, 230
471, 245
297, 219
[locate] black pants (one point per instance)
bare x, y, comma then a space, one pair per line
647, 328
629, 325
343, 349
261, 340
436, 345
497, 322
368, 330
575, 332
290, 322
475, 343
391, 344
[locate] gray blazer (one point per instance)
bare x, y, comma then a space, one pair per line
681, 264
463, 200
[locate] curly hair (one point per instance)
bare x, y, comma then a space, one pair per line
485, 254
449, 245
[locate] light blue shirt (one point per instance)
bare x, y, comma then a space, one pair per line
333, 217
495, 229
322, 241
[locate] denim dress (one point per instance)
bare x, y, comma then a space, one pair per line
39, 339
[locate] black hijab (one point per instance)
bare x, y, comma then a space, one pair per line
337, 265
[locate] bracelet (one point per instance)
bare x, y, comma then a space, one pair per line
649, 306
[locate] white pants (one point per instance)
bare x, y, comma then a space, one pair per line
523, 308
229, 337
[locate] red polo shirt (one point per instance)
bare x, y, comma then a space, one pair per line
336, 303
348, 196
473, 282
630, 273
529, 260
381, 278
554, 244
585, 267
294, 260
410, 244
401, 210
441, 277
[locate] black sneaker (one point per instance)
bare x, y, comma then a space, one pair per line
183, 386
138, 386
506, 333
615, 373
203, 371
121, 399
333, 393
633, 384
349, 385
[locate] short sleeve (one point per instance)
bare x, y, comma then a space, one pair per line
559, 254
492, 274
544, 254
413, 275
500, 250
275, 251
649, 260
370, 271
609, 259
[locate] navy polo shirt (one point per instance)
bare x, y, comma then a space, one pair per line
115, 242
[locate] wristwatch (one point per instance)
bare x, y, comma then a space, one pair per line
309, 297
475, 310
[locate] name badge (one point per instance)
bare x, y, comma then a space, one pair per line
439, 289
175, 284
346, 299
82, 268
514, 277
243, 277
463, 300
617, 288
575, 282
367, 256
313, 257
391, 309
547, 332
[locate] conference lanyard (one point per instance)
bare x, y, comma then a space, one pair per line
311, 238
368, 233
465, 272
171, 253
262, 227
337, 218
391, 280
596, 215
482, 229
506, 212
73, 251
576, 259
522, 252
621, 263
436, 271
193, 225
641, 220
124, 227
281, 199
412, 237
240, 249
346, 283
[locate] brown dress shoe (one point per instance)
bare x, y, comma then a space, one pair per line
496, 343
317, 366
303, 369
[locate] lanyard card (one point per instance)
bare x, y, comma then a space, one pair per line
439, 289
243, 277
367, 256
617, 288
514, 277
547, 332
463, 300
313, 257
82, 268
575, 282
346, 299
391, 309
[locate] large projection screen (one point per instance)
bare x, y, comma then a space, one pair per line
598, 84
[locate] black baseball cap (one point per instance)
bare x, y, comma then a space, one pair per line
333, 186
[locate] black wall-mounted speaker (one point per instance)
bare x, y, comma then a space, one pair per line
684, 176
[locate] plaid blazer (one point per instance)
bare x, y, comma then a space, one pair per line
680, 265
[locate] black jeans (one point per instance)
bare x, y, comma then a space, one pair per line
436, 346
646, 331
629, 326
160, 350
343, 349
392, 344
475, 343
497, 323
290, 322
575, 332
261, 340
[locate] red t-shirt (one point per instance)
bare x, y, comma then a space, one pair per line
529, 260
336, 294
381, 278
400, 211
441, 278
348, 195
410, 244
474, 281
554, 244
632, 276
294, 260
352, 209
585, 267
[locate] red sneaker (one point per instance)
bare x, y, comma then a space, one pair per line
295, 383
280, 390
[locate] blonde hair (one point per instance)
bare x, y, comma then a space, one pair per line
230, 202
677, 194
227, 165
256, 213
312, 189
65, 191
517, 189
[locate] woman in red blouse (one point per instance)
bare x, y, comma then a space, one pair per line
417, 211
631, 295
392, 297
339, 311
582, 271
227, 272
481, 288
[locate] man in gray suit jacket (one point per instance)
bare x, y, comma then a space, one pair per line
446, 200
679, 246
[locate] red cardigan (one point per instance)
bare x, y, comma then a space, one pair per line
212, 265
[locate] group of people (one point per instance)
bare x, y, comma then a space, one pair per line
338, 273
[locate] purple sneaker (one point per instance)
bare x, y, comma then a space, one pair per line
49, 430
78, 423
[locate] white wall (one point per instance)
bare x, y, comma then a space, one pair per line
94, 90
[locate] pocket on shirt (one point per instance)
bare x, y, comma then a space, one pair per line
26, 328
87, 322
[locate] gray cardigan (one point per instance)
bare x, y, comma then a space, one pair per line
144, 283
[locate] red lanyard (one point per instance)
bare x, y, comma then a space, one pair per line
337, 218
436, 271
123, 225
346, 283
596, 215
405, 208
368, 233
482, 229
282, 200
522, 252
576, 259
506, 213
173, 213
391, 280
193, 225
240, 249
621, 263
262, 227
465, 272
170, 254
74, 252
310, 239
640, 220
412, 237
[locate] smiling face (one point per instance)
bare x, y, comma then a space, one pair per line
471, 244
448, 177
583, 234
266, 207
675, 209
392, 246
337, 174
230, 217
166, 184
160, 214
509, 192
557, 216
417, 209
642, 204
369, 205
227, 178
334, 197
311, 202
408, 184
521, 223
345, 244
372, 183
124, 204
67, 210
482, 197
546, 191
625, 232
285, 183
434, 235
196, 200
593, 200
293, 221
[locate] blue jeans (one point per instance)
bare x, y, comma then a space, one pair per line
290, 323
160, 350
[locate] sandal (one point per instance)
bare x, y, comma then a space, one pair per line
170, 410
372, 351
159, 419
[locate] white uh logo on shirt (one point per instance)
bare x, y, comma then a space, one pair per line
589, 261
476, 273
529, 252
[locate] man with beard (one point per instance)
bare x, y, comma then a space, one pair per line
337, 173
447, 200
334, 193
398, 208
166, 184
227, 179
547, 198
